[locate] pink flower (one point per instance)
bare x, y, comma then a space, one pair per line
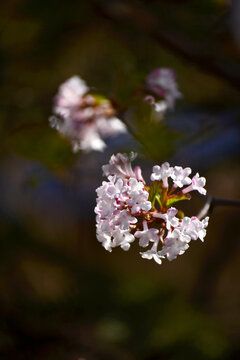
180, 176
162, 173
173, 246
198, 184
84, 118
168, 217
147, 235
120, 165
126, 209
162, 83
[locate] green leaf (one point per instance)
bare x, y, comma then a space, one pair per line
175, 198
159, 199
99, 99
155, 193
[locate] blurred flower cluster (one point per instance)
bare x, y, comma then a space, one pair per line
162, 90
87, 118
84, 117
127, 209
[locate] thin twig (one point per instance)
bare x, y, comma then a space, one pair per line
206, 208
212, 202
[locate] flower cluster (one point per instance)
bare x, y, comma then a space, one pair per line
84, 117
127, 209
161, 84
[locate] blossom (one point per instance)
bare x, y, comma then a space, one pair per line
194, 228
147, 235
198, 184
123, 219
120, 165
70, 94
138, 173
84, 118
122, 238
127, 209
162, 83
90, 140
162, 173
105, 239
168, 217
138, 196
173, 246
180, 176
152, 254
160, 107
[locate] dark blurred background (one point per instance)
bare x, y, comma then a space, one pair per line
62, 296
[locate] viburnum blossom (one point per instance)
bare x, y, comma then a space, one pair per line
127, 209
162, 173
84, 117
162, 90
198, 184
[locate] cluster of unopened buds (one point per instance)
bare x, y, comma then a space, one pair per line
84, 117
162, 90
127, 209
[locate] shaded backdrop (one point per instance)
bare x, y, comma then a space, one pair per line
62, 295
